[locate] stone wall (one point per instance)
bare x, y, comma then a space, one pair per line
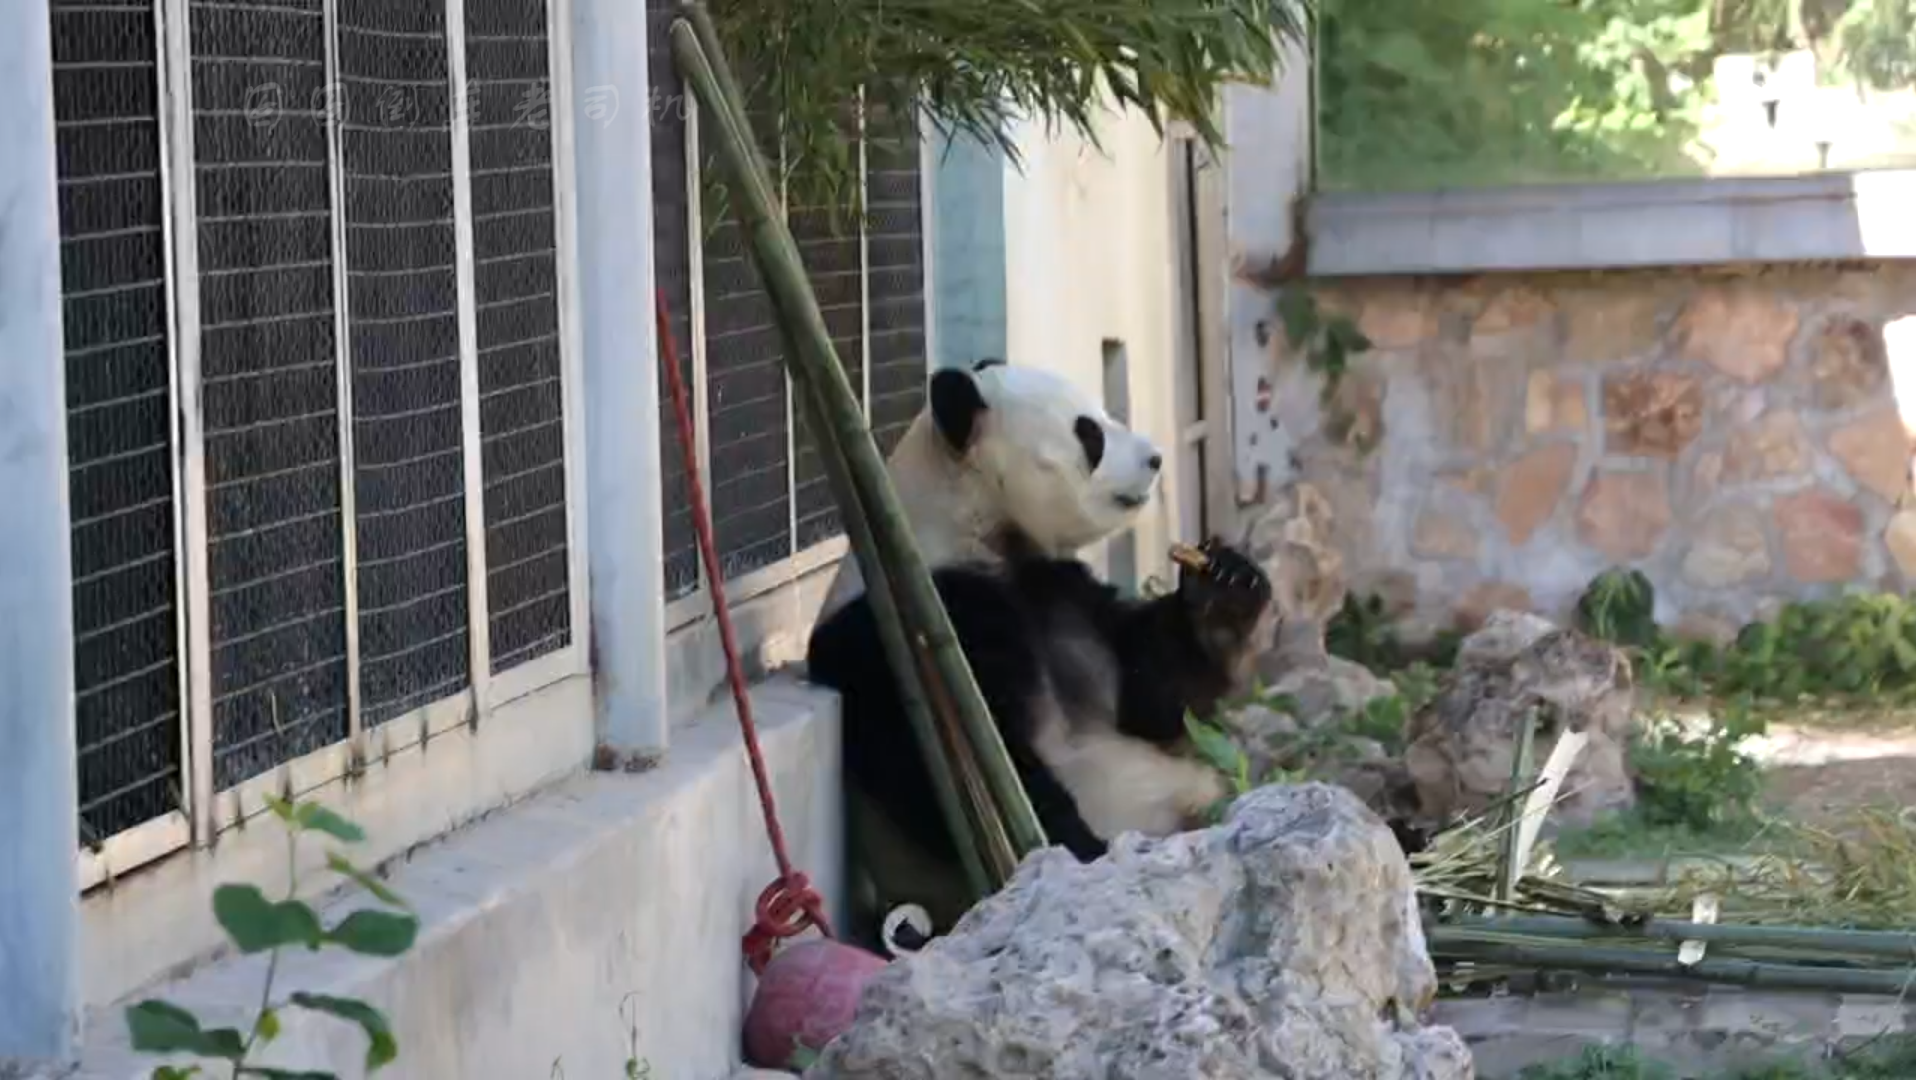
1735, 435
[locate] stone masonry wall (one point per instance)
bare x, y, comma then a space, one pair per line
1735, 435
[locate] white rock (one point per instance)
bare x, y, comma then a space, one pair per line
1282, 943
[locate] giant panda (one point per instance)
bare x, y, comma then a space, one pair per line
1005, 476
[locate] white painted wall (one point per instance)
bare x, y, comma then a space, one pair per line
1090, 255
601, 913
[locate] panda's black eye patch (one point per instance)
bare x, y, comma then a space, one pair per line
1091, 437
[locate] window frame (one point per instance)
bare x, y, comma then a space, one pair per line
483, 724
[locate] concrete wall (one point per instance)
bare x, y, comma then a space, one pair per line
599, 915
1738, 435
1090, 258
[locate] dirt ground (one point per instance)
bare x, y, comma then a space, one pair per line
1826, 768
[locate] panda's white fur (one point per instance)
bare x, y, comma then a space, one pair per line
1025, 472
1021, 490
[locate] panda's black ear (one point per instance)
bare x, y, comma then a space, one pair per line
955, 405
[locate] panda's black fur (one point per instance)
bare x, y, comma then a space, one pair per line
1009, 620
1045, 639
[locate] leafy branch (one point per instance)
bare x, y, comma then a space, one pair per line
256, 924
974, 68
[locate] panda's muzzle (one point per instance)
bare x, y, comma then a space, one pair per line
1131, 502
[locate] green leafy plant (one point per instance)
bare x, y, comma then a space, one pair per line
1702, 782
976, 67
256, 924
1619, 606
1327, 344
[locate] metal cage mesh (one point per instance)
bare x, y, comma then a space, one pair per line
667, 108
515, 242
895, 245
270, 383
409, 492
119, 413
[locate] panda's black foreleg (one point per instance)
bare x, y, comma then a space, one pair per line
1188, 651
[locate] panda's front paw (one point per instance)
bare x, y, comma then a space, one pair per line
1226, 590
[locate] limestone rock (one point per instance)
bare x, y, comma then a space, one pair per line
1604, 325
1769, 448
1397, 318
1486, 599
1729, 548
1652, 413
1327, 687
1624, 514
1821, 536
1532, 487
1740, 330
1294, 541
1554, 403
1900, 538
1438, 535
1848, 364
1875, 450
1282, 943
1463, 743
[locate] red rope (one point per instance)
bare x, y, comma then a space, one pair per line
789, 904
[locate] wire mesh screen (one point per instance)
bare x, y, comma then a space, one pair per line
749, 482
895, 246
515, 240
672, 266
270, 382
829, 242
119, 413
403, 329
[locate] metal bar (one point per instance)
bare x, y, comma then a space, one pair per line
178, 179
864, 259
472, 442
695, 251
571, 334
342, 334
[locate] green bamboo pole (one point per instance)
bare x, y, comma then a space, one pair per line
816, 364
1879, 943
878, 586
1618, 961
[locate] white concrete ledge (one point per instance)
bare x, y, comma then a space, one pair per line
603, 914
1832, 216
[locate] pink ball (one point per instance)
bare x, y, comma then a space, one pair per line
806, 996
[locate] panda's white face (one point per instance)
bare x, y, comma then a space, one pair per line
1066, 475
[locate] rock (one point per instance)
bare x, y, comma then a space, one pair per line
1738, 329
1554, 404
1900, 538
1604, 325
1399, 318
1463, 744
1769, 448
1848, 364
762, 1074
1532, 487
1624, 514
1515, 308
1651, 413
1728, 548
1438, 535
1705, 627
1821, 536
1293, 539
1325, 688
1475, 394
1282, 943
1474, 480
1486, 599
1875, 450
1705, 477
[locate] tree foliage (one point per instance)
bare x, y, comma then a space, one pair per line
1530, 91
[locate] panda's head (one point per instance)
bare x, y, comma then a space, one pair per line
1055, 467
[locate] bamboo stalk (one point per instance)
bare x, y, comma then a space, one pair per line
1878, 943
1619, 961
816, 365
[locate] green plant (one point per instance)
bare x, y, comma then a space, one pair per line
1700, 782
1619, 606
1601, 1062
1327, 343
1361, 632
976, 67
255, 924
